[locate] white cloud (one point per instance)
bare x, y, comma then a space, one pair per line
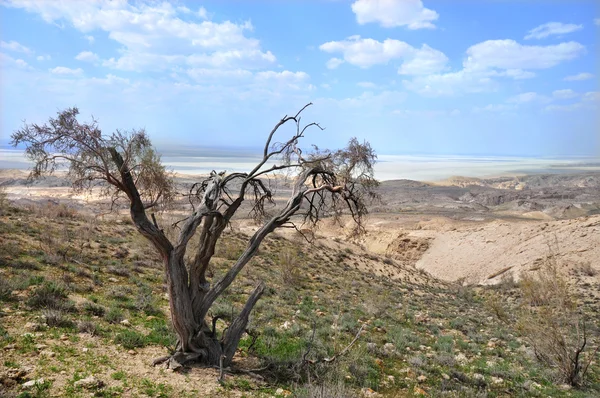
90, 39
597, 21
517, 74
16, 47
365, 53
63, 70
393, 13
499, 108
87, 56
153, 33
333, 63
492, 59
592, 96
430, 113
552, 28
508, 54
564, 108
366, 84
43, 57
8, 61
579, 76
564, 94
424, 61
528, 97
452, 83
588, 101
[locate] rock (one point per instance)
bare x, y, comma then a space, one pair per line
280, 392
478, 377
564, 387
445, 376
9, 347
372, 348
85, 349
461, 358
367, 392
125, 322
40, 347
89, 383
497, 380
388, 349
422, 379
32, 383
113, 280
64, 337
47, 353
131, 352
30, 326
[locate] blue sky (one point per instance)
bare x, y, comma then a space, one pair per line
429, 77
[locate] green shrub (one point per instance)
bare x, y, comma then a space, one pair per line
130, 339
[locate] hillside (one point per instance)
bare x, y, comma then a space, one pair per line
83, 297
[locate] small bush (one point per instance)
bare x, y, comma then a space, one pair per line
130, 339
6, 290
94, 309
87, 327
57, 319
290, 270
550, 320
50, 296
114, 315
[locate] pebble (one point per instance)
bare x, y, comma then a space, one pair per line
422, 378
32, 383
88, 383
131, 352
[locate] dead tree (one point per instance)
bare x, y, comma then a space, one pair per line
127, 166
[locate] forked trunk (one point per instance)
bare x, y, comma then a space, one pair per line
196, 340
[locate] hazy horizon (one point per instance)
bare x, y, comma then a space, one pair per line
420, 167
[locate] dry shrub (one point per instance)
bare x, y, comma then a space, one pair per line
290, 269
553, 324
586, 269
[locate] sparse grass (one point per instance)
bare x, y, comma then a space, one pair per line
436, 330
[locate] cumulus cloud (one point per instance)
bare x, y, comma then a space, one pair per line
564, 94
424, 61
552, 28
365, 53
508, 54
87, 56
63, 70
528, 97
16, 47
333, 63
579, 76
393, 13
154, 33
